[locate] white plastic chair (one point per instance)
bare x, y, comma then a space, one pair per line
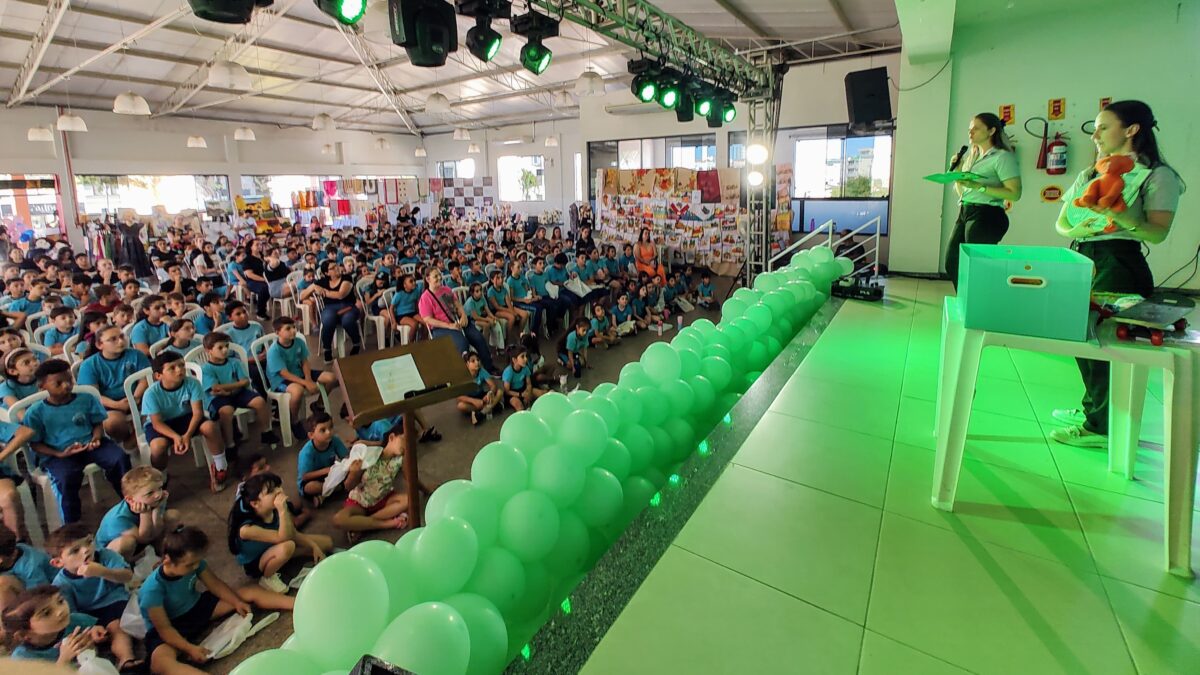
69, 348
40, 331
41, 478
408, 268
32, 522
193, 314
339, 333
199, 449
42, 352
281, 399
198, 357
383, 335
33, 321
159, 346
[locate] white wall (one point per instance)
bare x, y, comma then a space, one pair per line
997, 64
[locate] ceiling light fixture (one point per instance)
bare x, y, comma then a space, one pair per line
473, 149
437, 103
130, 103
323, 122
244, 134
71, 122
420, 152
196, 142
39, 135
589, 84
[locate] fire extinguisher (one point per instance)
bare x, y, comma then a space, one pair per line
1056, 155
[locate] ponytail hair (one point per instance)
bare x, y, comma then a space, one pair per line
243, 510
1144, 142
999, 139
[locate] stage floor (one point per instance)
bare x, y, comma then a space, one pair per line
817, 550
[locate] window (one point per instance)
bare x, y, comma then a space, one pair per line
282, 189
737, 149
522, 178
462, 168
830, 164
447, 169
697, 152
579, 176
29, 202
208, 195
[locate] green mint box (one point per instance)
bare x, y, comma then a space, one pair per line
1040, 291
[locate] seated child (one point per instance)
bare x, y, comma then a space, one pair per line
13, 436
141, 518
108, 362
373, 503
317, 456
21, 567
227, 389
705, 293
604, 328
477, 310
262, 535
176, 306
42, 626
174, 413
152, 327
519, 389
256, 464
69, 434
623, 317
572, 348
183, 336
63, 320
213, 315
122, 315
93, 582
288, 370
486, 395
177, 614
19, 366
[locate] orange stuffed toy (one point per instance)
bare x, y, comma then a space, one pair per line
1105, 190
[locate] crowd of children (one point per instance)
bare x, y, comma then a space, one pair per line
200, 363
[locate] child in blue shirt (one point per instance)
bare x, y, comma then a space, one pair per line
93, 582
705, 293
227, 389
317, 456
213, 315
604, 329
500, 300
519, 390
141, 518
404, 304
107, 363
174, 413
623, 315
21, 566
243, 331
183, 336
63, 320
178, 615
68, 433
151, 328
19, 367
572, 349
288, 370
262, 535
43, 627
487, 394
477, 310
31, 303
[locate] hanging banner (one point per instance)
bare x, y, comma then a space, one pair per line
407, 190
627, 182
709, 184
664, 183
783, 185
685, 181
731, 186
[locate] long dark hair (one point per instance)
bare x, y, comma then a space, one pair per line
1144, 143
994, 123
243, 511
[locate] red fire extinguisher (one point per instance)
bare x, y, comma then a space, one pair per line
1056, 155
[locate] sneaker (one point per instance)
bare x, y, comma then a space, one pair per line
1070, 416
273, 583
217, 478
1079, 437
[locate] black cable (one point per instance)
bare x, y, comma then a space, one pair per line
939, 72
1195, 265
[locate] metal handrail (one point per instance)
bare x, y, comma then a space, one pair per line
832, 244
803, 240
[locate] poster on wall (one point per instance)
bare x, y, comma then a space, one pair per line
783, 183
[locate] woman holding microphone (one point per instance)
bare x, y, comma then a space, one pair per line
1122, 128
981, 217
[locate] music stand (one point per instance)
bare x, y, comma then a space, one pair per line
445, 377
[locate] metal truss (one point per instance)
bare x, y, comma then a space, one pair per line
763, 127
55, 10
644, 27
362, 50
264, 19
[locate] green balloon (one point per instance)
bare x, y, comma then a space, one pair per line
275, 661
688, 342
689, 363
821, 254
717, 370
628, 404
500, 469
664, 448
558, 475
757, 356
780, 302
526, 432
571, 548
489, 635
636, 493
752, 377
803, 261
350, 591
654, 406
637, 381
616, 459
661, 362
583, 435
680, 396
431, 639
719, 338
480, 509
761, 315
704, 326
601, 498
766, 282
606, 409
704, 391
435, 508
538, 587
774, 346
603, 389
749, 328
747, 295
726, 402
500, 577
632, 368
788, 327
656, 477
720, 351
846, 265
397, 571
552, 409
578, 398
445, 554
640, 444
736, 336
682, 436
529, 525
733, 308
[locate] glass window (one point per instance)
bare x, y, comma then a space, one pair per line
462, 168
737, 149
579, 176
208, 195
690, 152
281, 190
447, 169
830, 164
29, 202
522, 178
629, 154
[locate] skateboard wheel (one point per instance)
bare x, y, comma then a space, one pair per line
1156, 338
1181, 325
1122, 332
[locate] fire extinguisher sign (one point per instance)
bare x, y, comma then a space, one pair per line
1105, 101
1008, 113
1057, 109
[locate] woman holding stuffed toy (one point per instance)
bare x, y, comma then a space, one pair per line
1112, 236
981, 216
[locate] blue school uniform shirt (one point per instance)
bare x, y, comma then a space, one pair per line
171, 403
557, 275
232, 269
291, 358
176, 595
88, 594
599, 325
498, 297
59, 426
55, 337
475, 307
205, 324
612, 265
576, 343
480, 278
622, 315
312, 459
705, 290
639, 307
116, 522
11, 387
233, 370
518, 287
51, 653
625, 262
377, 431
538, 282
248, 550
244, 337
25, 306
183, 351
145, 332
33, 568
580, 271
7, 469
516, 378
405, 302
482, 377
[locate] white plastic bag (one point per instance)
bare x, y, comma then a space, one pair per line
143, 568
90, 664
131, 619
577, 287
684, 305
369, 454
232, 632
552, 290
625, 328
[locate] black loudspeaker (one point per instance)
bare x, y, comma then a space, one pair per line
867, 99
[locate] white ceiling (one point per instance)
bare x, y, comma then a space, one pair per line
304, 44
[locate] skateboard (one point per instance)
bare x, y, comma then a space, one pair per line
1153, 318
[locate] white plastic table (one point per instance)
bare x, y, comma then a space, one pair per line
961, 350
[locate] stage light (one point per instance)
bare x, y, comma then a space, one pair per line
535, 57
347, 12
728, 112
483, 41
756, 154
644, 87
685, 111
427, 29
714, 118
670, 86
223, 11
755, 178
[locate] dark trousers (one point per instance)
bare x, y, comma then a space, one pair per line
66, 474
467, 338
262, 295
330, 320
1120, 268
976, 224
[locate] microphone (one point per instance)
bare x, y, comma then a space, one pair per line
958, 158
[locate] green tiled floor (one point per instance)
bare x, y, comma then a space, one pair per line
817, 550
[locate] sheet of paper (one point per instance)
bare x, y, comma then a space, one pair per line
396, 377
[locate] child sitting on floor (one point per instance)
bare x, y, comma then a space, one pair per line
604, 328
262, 535
42, 626
320, 453
141, 518
373, 503
257, 464
486, 395
572, 348
519, 389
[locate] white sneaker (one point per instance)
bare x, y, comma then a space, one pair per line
273, 583
1079, 437
1070, 416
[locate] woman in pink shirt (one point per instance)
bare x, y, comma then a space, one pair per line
445, 316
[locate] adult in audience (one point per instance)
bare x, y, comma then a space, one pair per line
337, 293
441, 310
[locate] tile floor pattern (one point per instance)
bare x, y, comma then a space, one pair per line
817, 551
